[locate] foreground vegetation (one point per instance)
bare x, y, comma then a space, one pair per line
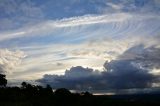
35, 95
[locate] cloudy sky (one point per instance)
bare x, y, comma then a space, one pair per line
81, 44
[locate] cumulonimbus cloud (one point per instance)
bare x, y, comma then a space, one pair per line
132, 69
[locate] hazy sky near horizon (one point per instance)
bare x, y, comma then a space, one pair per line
46, 37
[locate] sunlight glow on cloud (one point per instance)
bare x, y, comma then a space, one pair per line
9, 60
57, 36
117, 74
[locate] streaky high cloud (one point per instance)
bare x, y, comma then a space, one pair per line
31, 12
91, 19
9, 60
50, 26
16, 14
121, 73
57, 35
48, 33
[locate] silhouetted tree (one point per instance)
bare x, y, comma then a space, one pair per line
62, 92
40, 88
86, 93
49, 89
3, 80
24, 85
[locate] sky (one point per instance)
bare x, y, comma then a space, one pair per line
81, 44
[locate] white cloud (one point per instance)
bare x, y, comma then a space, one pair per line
112, 25
115, 6
93, 53
51, 25
118, 74
10, 60
89, 19
117, 32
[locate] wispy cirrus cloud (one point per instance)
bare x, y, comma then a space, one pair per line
75, 28
16, 14
82, 37
51, 25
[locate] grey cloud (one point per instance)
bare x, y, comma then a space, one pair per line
75, 78
122, 74
130, 70
59, 64
80, 72
146, 57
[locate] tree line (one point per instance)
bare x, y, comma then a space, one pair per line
36, 95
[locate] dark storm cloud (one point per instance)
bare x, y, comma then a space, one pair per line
123, 74
75, 78
146, 57
130, 70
